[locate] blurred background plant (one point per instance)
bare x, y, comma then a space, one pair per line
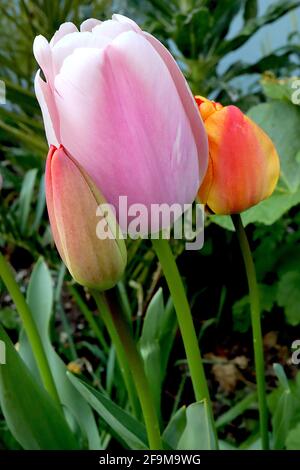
226, 52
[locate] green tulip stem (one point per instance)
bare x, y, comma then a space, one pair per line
30, 328
185, 321
256, 328
127, 351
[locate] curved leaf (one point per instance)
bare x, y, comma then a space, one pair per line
31, 415
40, 300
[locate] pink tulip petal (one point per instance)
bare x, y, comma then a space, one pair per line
188, 102
43, 55
49, 198
67, 45
112, 29
50, 116
64, 29
89, 24
132, 119
124, 20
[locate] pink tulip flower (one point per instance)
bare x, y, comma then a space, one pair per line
115, 98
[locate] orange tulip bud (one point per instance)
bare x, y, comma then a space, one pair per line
243, 163
72, 202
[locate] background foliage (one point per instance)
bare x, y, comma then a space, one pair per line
199, 34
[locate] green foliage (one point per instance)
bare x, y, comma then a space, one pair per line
41, 426
241, 308
40, 301
124, 426
285, 411
190, 429
197, 33
288, 296
156, 341
198, 432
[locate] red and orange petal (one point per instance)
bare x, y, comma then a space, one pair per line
52, 154
207, 107
244, 166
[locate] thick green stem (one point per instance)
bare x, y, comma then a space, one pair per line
124, 342
29, 327
256, 328
185, 322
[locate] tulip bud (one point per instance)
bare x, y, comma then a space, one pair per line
72, 201
243, 163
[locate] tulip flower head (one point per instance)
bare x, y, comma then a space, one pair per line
243, 164
116, 99
72, 202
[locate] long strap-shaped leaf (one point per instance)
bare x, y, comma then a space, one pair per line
31, 415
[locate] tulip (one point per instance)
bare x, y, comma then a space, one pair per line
72, 202
243, 164
115, 98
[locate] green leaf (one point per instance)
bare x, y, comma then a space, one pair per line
9, 318
279, 371
266, 212
175, 428
31, 415
251, 9
236, 410
168, 328
123, 425
281, 121
150, 347
26, 196
40, 207
273, 13
277, 60
282, 418
198, 433
241, 308
292, 441
30, 140
156, 341
288, 296
223, 445
278, 89
40, 300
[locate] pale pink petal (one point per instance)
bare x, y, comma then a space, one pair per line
46, 101
138, 141
43, 56
124, 20
67, 45
111, 29
64, 29
188, 102
89, 24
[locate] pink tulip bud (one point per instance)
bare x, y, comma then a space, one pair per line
72, 202
116, 99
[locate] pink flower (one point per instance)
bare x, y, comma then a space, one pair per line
116, 100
